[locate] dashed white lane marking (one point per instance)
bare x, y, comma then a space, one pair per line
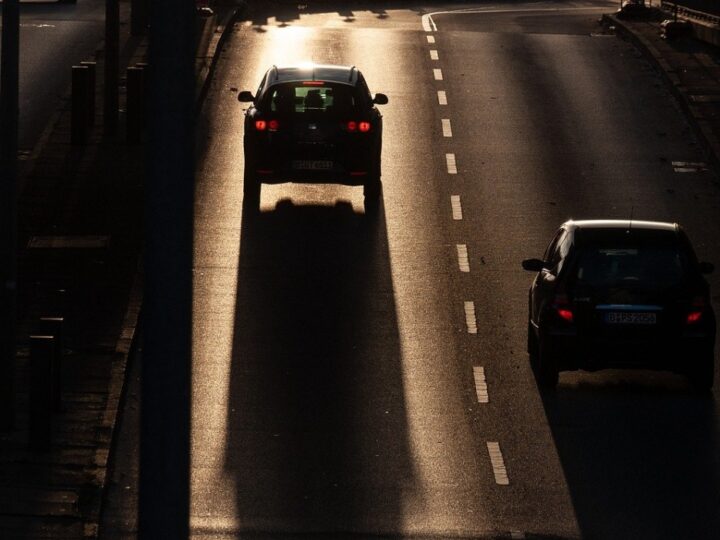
463, 261
481, 388
442, 97
451, 163
456, 207
446, 127
431, 39
434, 55
428, 24
498, 464
688, 166
470, 319
437, 73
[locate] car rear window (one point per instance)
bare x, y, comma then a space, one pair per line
651, 262
312, 97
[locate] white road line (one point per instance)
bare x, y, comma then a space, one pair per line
451, 163
434, 55
498, 464
442, 97
437, 73
428, 24
470, 319
481, 388
456, 207
463, 261
447, 129
688, 166
431, 39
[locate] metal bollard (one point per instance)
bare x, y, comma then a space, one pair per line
80, 78
41, 399
53, 326
135, 104
92, 67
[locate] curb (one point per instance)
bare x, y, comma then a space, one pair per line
703, 131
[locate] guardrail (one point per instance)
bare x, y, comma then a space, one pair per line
692, 14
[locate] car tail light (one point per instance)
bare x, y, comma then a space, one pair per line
352, 126
697, 306
313, 83
562, 307
273, 125
260, 125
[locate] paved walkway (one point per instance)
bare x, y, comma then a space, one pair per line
80, 232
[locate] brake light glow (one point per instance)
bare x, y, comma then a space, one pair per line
273, 125
260, 125
313, 83
364, 127
694, 317
351, 125
562, 307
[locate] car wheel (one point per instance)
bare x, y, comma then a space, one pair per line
531, 342
547, 369
372, 190
702, 376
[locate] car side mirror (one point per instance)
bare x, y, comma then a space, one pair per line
533, 265
707, 268
245, 96
380, 99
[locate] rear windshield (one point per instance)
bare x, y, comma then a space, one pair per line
322, 98
647, 265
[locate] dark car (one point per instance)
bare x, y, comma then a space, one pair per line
620, 294
313, 124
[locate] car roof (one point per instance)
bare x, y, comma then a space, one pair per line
313, 72
621, 224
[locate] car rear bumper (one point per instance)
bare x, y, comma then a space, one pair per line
680, 354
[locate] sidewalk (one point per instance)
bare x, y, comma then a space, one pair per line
691, 69
80, 232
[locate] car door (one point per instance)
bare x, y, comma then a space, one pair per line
543, 288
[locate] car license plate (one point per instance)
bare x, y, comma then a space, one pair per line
620, 317
312, 165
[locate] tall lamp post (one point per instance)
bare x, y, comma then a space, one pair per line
9, 77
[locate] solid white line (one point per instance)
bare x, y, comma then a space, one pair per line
442, 97
446, 128
434, 55
451, 164
498, 464
463, 261
431, 39
456, 207
437, 73
481, 388
470, 320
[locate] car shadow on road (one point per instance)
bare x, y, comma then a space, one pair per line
640, 458
316, 433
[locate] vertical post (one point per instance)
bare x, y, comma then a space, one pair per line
42, 349
9, 115
92, 76
164, 497
134, 110
80, 108
112, 65
53, 326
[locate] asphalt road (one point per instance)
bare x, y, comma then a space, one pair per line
53, 38
359, 377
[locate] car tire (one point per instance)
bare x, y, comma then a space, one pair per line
372, 190
531, 342
703, 375
547, 371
